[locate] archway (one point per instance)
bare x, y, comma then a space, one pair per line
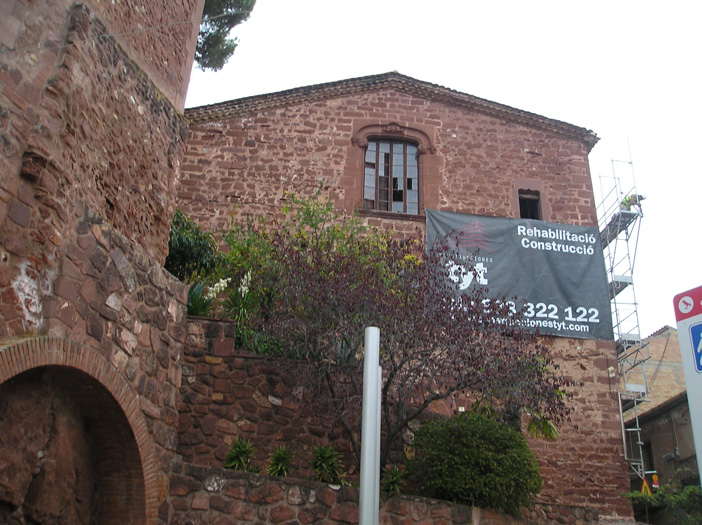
73, 443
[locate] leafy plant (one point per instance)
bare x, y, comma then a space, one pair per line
198, 302
280, 462
673, 501
393, 481
476, 460
239, 456
318, 278
192, 252
327, 465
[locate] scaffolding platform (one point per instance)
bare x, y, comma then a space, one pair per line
618, 223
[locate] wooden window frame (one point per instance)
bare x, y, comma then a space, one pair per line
427, 165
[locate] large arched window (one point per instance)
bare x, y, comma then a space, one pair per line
391, 176
395, 171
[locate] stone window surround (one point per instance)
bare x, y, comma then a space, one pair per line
428, 164
530, 185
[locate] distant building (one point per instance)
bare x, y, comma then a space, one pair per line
664, 419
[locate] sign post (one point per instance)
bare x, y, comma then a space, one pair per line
688, 315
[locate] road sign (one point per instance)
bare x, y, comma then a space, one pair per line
654, 482
645, 489
688, 314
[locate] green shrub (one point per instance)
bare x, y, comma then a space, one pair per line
476, 460
239, 456
198, 301
393, 481
192, 252
327, 465
673, 502
280, 462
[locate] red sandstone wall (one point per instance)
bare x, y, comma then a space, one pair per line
227, 394
158, 35
586, 465
212, 495
90, 148
83, 127
250, 161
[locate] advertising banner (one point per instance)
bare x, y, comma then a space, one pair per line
688, 315
555, 271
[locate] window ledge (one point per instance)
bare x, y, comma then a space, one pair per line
391, 215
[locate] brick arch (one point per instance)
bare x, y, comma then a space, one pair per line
49, 352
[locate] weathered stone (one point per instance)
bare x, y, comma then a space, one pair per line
268, 493
281, 513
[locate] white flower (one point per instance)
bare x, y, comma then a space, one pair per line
244, 286
217, 288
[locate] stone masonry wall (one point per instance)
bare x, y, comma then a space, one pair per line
90, 148
586, 466
158, 35
90, 129
249, 162
227, 394
112, 301
203, 495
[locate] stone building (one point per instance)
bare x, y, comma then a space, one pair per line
101, 373
457, 153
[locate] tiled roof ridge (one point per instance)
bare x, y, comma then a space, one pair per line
660, 331
392, 80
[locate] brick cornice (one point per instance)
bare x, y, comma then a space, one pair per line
386, 81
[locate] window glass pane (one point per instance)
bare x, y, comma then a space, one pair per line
411, 155
391, 177
383, 200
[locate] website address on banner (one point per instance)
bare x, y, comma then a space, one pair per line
559, 326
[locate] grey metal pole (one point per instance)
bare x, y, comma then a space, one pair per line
370, 431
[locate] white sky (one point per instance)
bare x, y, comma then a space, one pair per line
628, 70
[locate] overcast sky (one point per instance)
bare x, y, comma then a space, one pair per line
627, 70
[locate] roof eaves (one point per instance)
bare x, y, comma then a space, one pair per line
393, 80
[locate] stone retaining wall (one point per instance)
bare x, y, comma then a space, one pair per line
202, 495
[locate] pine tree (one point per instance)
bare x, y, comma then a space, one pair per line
214, 47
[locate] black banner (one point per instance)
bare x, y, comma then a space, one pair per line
556, 271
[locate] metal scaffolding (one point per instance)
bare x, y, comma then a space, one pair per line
620, 213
